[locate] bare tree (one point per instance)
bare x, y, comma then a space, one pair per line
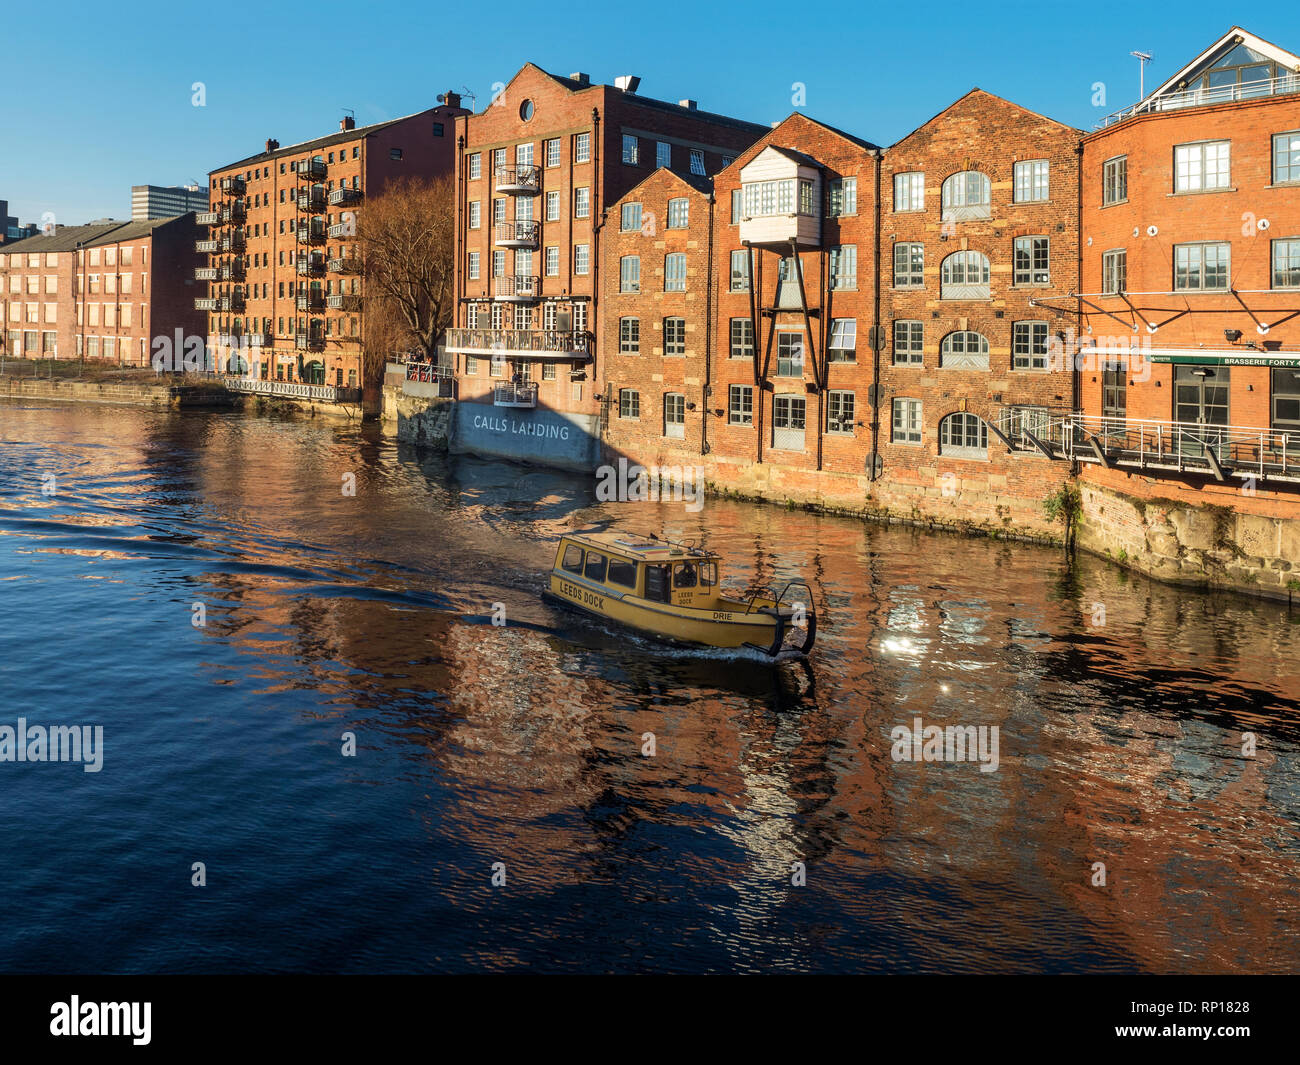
405, 237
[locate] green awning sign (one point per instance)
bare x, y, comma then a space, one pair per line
1284, 361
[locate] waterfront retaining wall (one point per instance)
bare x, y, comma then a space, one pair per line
115, 393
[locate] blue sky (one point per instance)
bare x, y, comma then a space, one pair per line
95, 99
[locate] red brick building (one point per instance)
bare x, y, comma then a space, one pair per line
106, 292
283, 274
538, 170
1191, 214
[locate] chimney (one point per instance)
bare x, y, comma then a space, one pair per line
580, 77
347, 122
449, 99
272, 144
688, 104
627, 83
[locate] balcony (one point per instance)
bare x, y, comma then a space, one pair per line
208, 218
522, 233
519, 288
207, 247
311, 264
206, 273
534, 343
310, 168
206, 304
346, 264
519, 180
310, 301
312, 232
340, 230
233, 270
512, 395
344, 197
341, 301
1207, 97
311, 200
233, 241
232, 212
231, 304
313, 341
232, 186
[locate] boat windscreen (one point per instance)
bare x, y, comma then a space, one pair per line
572, 560
622, 572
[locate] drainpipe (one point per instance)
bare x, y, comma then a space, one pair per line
876, 334
459, 276
707, 391
598, 223
754, 265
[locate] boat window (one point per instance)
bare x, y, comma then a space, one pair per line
656, 583
622, 572
685, 576
595, 567
708, 573
572, 560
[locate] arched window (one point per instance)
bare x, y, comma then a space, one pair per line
964, 436
964, 351
964, 276
967, 195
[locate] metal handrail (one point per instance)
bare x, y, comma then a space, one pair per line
1203, 97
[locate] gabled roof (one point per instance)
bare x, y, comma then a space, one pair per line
790, 153
573, 85
695, 182
1234, 37
764, 142
320, 142
69, 238
992, 96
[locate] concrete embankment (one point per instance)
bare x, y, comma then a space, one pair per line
122, 394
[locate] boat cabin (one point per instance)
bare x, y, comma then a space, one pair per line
655, 570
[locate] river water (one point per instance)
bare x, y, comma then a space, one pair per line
203, 587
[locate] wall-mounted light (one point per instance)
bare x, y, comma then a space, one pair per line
1232, 335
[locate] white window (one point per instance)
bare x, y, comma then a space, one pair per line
553, 152
675, 336
843, 197
1114, 271
475, 166
552, 262
552, 206
964, 350
909, 265
844, 340
475, 214
524, 154
1286, 157
582, 202
674, 415
1114, 180
1286, 263
1201, 267
581, 260
788, 414
967, 195
679, 210
675, 272
909, 191
629, 336
740, 405
1029, 345
1202, 166
844, 267
498, 211
909, 342
740, 271
630, 149
789, 354
1032, 261
630, 218
964, 275
964, 436
840, 412
663, 153
907, 421
697, 161
582, 147
1031, 181
473, 265
629, 273
498, 264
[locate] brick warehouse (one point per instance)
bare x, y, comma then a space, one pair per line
103, 292
539, 168
284, 277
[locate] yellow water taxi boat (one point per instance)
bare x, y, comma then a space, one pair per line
670, 591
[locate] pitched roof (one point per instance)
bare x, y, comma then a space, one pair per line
1234, 37
993, 96
69, 238
573, 85
702, 185
320, 142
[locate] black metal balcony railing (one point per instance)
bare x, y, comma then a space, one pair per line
206, 273
343, 301
314, 341
233, 270
232, 212
231, 304
344, 197
313, 200
207, 247
522, 233
310, 168
310, 301
575, 344
233, 186
522, 178
344, 264
232, 241
519, 287
311, 233
311, 264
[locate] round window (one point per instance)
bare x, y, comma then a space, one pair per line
526, 110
